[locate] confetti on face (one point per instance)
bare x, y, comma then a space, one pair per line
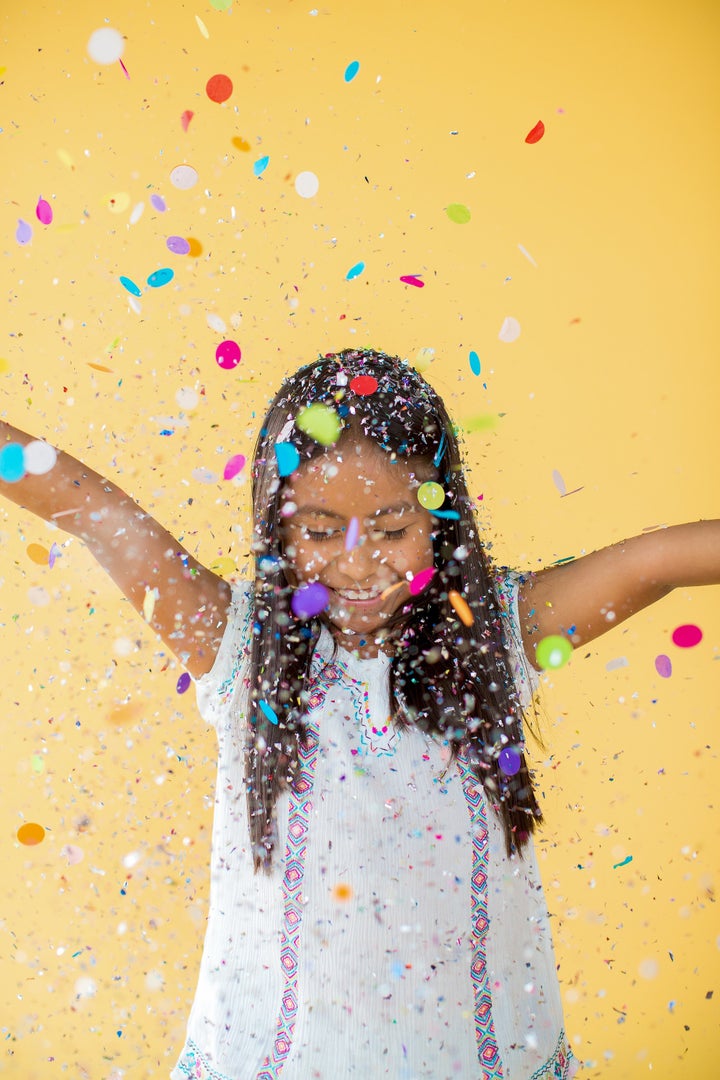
342, 892
663, 666
160, 277
320, 422
219, 88
129, 284
178, 245
287, 458
269, 712
30, 834
458, 213
413, 279
351, 536
228, 355
40, 457
105, 46
351, 70
421, 580
687, 636
307, 185
430, 495
363, 385
12, 463
475, 365
510, 330
261, 165
553, 651
234, 466
461, 607
186, 118
309, 600
184, 177
183, 683
23, 233
509, 760
536, 133
43, 212
355, 271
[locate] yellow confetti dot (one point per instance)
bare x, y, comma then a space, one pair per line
38, 554
117, 203
128, 713
424, 358
30, 834
464, 613
223, 566
4, 365
66, 159
202, 27
151, 596
342, 892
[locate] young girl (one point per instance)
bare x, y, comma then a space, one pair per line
375, 907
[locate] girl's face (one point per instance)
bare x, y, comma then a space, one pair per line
387, 543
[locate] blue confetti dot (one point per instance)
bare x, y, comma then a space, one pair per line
351, 70
12, 463
269, 712
355, 271
261, 165
160, 277
287, 458
130, 286
475, 366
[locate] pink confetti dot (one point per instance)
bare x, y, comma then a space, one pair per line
421, 579
234, 466
413, 279
686, 636
43, 212
663, 666
228, 355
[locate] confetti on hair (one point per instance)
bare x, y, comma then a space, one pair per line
510, 760
320, 422
12, 463
287, 458
461, 607
535, 134
268, 711
363, 385
440, 451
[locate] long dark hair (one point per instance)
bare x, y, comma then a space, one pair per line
451, 680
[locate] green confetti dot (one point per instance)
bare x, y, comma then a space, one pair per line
553, 651
320, 422
430, 495
458, 213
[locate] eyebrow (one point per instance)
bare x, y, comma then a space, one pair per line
309, 508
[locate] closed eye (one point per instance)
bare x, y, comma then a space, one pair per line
388, 534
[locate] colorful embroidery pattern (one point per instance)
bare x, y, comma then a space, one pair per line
378, 739
298, 824
195, 1067
559, 1065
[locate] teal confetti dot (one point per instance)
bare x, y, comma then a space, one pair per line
351, 70
160, 277
130, 285
475, 365
287, 458
261, 165
355, 271
12, 463
269, 712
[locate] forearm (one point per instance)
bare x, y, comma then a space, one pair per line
688, 555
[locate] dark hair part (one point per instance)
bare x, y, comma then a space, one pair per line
449, 679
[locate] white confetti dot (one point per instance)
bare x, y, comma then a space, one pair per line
215, 322
105, 46
131, 859
307, 184
510, 330
187, 398
204, 476
183, 177
39, 457
85, 987
38, 596
649, 968
137, 213
123, 646
154, 980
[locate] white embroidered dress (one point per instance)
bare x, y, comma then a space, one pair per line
394, 938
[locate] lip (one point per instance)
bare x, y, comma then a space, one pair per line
376, 603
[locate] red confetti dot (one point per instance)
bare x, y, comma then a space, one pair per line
219, 88
536, 134
686, 636
186, 118
413, 279
363, 385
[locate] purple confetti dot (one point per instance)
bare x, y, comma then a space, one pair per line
159, 203
509, 760
183, 683
309, 600
23, 233
178, 245
663, 666
686, 636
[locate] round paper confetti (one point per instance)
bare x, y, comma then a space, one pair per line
536, 133
228, 355
184, 177
234, 466
663, 666
430, 495
475, 365
364, 385
320, 422
269, 712
509, 760
421, 580
307, 184
73, 854
183, 683
351, 536
309, 600
38, 554
160, 277
221, 5
510, 330
30, 834
40, 457
43, 212
196, 248
12, 463
342, 892
261, 165
215, 322
351, 70
105, 46
355, 271
187, 398
553, 651
287, 458
130, 285
23, 233
38, 596
461, 607
186, 117
219, 88
117, 202
458, 213
178, 245
158, 203
687, 636
423, 358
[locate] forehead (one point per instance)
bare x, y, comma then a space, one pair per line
356, 478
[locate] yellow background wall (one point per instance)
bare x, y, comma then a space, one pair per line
601, 239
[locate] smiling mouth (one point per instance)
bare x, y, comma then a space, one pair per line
358, 595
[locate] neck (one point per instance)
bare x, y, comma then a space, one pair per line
365, 647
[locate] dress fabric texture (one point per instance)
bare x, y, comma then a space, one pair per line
394, 936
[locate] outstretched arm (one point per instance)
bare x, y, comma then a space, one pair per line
585, 598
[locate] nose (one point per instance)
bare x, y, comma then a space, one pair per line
362, 562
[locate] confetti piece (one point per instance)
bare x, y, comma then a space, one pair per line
430, 495
351, 536
475, 365
617, 662
553, 651
234, 466
219, 88
55, 553
453, 515
261, 165
421, 580
117, 202
559, 482
355, 271
105, 46
130, 285
413, 279
66, 159
228, 355
527, 255
461, 607
423, 358
40, 457
183, 683
663, 666
187, 398
178, 245
287, 458
687, 636
364, 385
309, 600
125, 70
510, 330
196, 248
158, 203
215, 322
351, 70
307, 185
625, 861
137, 213
268, 711
40, 597
510, 760
128, 713
31, 834
342, 892
74, 855
320, 422
536, 133
12, 463
43, 212
151, 596
37, 554
23, 233
202, 27
458, 213
160, 277
185, 119
184, 177
240, 144
484, 422
221, 5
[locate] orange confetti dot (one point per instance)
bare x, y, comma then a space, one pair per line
30, 834
536, 134
241, 144
99, 367
219, 88
195, 248
342, 892
464, 613
128, 713
38, 554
